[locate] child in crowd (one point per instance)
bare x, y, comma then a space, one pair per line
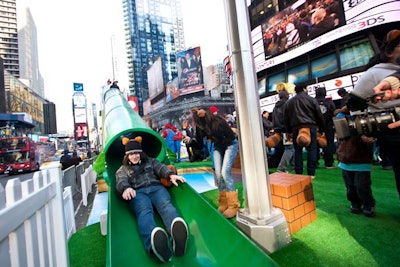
355, 156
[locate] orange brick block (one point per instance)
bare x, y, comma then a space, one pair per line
294, 226
282, 190
290, 202
305, 220
294, 195
289, 215
276, 201
296, 187
309, 206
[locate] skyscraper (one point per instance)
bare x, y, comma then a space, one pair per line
29, 72
9, 36
154, 29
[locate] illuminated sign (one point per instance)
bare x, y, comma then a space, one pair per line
274, 32
190, 71
78, 87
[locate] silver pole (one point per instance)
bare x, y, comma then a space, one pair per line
262, 222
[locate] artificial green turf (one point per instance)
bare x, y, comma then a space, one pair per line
340, 238
336, 238
87, 247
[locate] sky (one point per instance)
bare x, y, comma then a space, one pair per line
74, 45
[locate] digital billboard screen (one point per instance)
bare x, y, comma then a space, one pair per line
190, 71
308, 24
171, 90
155, 79
81, 131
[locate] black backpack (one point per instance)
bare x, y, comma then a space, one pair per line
326, 109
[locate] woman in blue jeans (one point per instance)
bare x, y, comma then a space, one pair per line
138, 181
218, 131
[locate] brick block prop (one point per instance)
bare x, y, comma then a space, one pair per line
293, 194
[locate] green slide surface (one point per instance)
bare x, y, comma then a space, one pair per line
213, 240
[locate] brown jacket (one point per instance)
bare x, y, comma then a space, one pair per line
354, 150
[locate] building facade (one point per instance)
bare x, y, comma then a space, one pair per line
22, 102
288, 49
28, 51
154, 29
9, 36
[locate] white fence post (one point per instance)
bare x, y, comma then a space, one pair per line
37, 218
58, 223
32, 230
69, 212
88, 178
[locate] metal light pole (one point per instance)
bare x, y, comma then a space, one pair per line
264, 224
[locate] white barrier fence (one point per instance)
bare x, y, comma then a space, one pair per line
37, 218
32, 225
88, 178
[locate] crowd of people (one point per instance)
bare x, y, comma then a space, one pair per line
298, 123
308, 122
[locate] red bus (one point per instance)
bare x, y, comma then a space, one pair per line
17, 155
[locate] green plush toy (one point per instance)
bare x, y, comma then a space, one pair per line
99, 167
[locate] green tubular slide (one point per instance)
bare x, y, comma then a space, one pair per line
213, 240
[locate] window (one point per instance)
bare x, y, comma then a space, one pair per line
298, 74
261, 86
274, 80
355, 54
323, 66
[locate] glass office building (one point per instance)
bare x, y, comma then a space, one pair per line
153, 30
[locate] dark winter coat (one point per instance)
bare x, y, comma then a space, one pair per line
147, 172
303, 111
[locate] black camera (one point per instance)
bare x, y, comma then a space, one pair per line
368, 123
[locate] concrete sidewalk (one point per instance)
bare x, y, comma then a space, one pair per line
82, 213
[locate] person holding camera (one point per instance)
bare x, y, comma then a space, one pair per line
375, 81
384, 63
388, 90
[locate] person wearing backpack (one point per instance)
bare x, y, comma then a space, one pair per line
327, 109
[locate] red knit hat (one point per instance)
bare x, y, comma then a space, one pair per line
214, 109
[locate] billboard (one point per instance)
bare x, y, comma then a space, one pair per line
307, 25
79, 100
190, 71
78, 87
171, 90
81, 132
155, 79
80, 115
133, 102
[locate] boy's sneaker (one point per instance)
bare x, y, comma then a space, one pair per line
179, 233
159, 244
355, 208
369, 211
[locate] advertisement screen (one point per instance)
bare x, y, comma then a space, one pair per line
78, 87
171, 90
133, 102
307, 25
80, 115
190, 71
79, 101
261, 86
81, 131
155, 79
